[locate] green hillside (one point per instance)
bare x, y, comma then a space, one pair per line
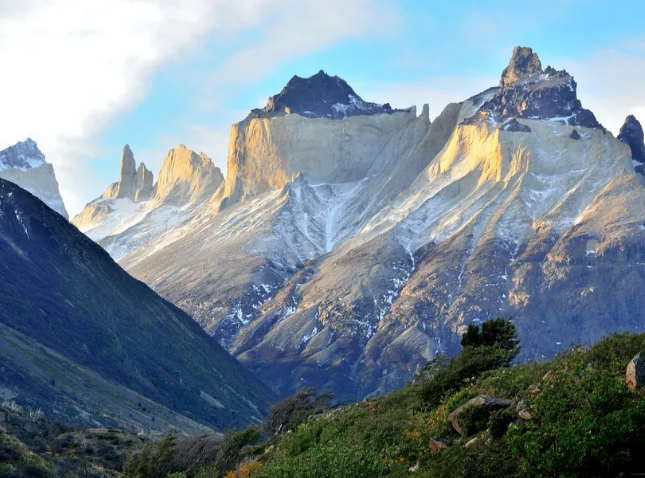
571, 417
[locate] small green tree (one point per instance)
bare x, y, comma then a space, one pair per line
499, 332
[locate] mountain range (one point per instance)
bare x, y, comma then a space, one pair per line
351, 242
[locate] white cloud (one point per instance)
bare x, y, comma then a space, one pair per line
71, 66
296, 28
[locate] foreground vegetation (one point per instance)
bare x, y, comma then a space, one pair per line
571, 417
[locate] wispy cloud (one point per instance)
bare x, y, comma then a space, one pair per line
71, 67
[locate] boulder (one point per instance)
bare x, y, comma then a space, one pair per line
635, 374
473, 442
524, 411
487, 404
437, 443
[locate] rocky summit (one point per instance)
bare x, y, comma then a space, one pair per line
319, 96
527, 91
24, 164
133, 211
345, 251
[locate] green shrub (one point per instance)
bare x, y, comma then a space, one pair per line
454, 374
473, 420
499, 421
498, 333
587, 423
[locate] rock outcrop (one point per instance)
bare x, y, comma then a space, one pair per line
134, 183
635, 373
486, 405
631, 133
24, 164
527, 91
319, 96
186, 177
143, 189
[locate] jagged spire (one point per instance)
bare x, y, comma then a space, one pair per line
526, 91
127, 178
631, 133
523, 62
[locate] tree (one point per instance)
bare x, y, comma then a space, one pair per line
499, 333
294, 410
493, 346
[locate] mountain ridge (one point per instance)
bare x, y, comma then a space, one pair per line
352, 279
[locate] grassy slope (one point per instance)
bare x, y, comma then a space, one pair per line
62, 290
586, 423
42, 379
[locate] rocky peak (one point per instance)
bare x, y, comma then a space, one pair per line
186, 175
22, 155
24, 164
319, 96
134, 183
127, 178
526, 91
143, 184
631, 133
523, 63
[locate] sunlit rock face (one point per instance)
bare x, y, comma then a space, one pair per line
344, 252
631, 133
24, 164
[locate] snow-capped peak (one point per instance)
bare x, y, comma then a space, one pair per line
22, 155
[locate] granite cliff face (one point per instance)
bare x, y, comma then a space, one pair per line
24, 164
344, 252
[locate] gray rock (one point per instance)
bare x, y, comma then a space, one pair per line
437, 443
143, 184
631, 133
635, 374
128, 177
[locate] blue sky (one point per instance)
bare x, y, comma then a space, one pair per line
156, 74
